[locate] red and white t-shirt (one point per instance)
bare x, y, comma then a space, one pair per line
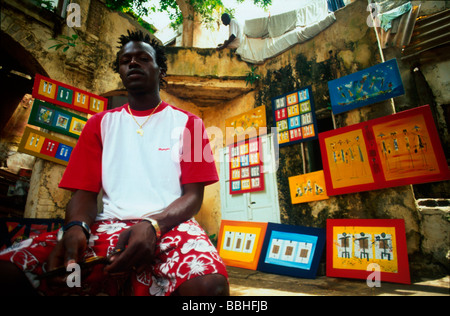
140, 174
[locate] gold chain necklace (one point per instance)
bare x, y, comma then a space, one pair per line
140, 131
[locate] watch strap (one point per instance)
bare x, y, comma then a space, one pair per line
86, 229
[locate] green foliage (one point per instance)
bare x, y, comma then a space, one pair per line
205, 8
66, 42
252, 76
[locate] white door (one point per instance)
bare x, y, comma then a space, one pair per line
261, 206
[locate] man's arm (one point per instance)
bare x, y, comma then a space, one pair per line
82, 207
139, 241
227, 42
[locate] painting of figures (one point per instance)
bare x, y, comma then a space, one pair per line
308, 187
368, 86
353, 245
395, 150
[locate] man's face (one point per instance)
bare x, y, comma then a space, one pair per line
138, 68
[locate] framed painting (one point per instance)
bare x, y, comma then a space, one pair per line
240, 243
355, 246
308, 187
53, 118
399, 149
368, 86
246, 166
246, 125
43, 145
61, 94
292, 250
294, 116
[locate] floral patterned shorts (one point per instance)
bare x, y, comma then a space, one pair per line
182, 254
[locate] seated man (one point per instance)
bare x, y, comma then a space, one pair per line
152, 171
235, 32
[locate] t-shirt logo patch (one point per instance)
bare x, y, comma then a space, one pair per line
163, 149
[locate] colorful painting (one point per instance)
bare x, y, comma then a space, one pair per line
368, 86
240, 243
55, 119
308, 187
58, 93
294, 116
246, 125
246, 166
43, 145
396, 150
292, 250
355, 246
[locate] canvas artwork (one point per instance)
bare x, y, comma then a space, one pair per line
240, 243
355, 246
294, 116
246, 125
43, 145
368, 86
246, 166
53, 118
308, 187
292, 250
61, 94
400, 149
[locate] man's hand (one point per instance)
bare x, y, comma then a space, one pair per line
69, 250
139, 244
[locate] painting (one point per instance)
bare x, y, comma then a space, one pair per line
246, 166
240, 243
368, 86
246, 125
292, 250
294, 117
61, 94
355, 246
308, 187
55, 119
43, 145
399, 149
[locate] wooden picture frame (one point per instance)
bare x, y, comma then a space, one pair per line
399, 149
356, 246
294, 116
61, 94
368, 86
43, 145
240, 243
55, 119
292, 250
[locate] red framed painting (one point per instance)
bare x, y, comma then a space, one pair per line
246, 166
240, 243
399, 149
356, 246
61, 94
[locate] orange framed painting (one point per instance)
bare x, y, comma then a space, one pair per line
246, 125
399, 149
358, 247
308, 187
240, 243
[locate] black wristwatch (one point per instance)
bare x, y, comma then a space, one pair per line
65, 228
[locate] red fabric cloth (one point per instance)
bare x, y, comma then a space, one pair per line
182, 254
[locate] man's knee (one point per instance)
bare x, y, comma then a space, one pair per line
206, 285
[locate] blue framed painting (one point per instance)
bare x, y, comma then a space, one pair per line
292, 250
368, 86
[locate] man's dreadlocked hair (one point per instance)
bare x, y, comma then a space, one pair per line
138, 36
